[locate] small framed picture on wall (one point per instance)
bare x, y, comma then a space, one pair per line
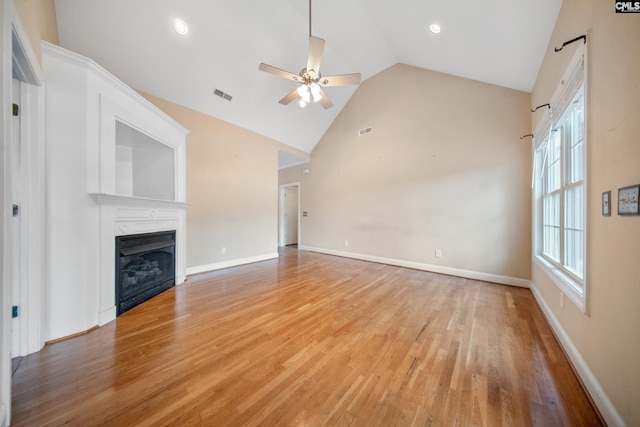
628, 200
606, 203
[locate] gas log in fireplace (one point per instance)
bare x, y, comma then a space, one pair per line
145, 267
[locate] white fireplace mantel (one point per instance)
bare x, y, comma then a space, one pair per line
117, 200
115, 165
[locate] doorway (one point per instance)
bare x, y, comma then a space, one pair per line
22, 264
25, 196
289, 217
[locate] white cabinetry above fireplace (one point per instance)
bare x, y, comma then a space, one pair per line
116, 165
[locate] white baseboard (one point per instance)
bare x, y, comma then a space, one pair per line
230, 263
600, 398
3, 415
107, 316
476, 275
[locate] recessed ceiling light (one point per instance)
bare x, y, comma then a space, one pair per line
181, 27
434, 28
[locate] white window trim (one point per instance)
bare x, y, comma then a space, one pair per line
577, 291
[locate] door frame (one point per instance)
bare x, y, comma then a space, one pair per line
281, 208
20, 60
26, 68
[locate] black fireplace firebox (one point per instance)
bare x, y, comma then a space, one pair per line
145, 267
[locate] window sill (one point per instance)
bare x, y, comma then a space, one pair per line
566, 283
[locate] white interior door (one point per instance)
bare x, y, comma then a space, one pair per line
291, 216
15, 173
289, 205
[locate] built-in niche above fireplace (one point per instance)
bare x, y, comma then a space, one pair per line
145, 267
145, 167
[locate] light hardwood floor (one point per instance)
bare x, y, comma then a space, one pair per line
311, 340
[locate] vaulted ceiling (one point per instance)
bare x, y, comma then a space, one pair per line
494, 41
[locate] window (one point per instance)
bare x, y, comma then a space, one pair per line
560, 186
563, 190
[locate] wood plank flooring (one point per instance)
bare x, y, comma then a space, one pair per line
311, 340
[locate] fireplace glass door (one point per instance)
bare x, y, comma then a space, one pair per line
145, 267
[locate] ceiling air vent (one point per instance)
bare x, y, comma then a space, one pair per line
221, 94
364, 131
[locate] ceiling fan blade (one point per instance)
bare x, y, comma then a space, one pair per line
316, 47
287, 99
340, 80
279, 72
325, 101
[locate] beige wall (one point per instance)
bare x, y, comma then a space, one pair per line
232, 188
609, 338
292, 174
38, 18
444, 168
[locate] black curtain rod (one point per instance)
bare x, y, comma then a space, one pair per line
524, 136
583, 37
540, 106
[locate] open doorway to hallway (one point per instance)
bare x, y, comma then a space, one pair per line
289, 215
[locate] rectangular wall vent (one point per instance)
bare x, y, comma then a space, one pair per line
222, 95
365, 131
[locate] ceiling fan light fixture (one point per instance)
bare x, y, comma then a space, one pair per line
302, 103
303, 91
305, 94
180, 27
315, 92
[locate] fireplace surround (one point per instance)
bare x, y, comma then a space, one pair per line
116, 166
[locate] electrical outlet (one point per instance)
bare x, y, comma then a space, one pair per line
438, 253
346, 243
223, 251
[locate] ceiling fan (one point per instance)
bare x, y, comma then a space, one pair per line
310, 81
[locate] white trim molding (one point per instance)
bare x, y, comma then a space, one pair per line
597, 393
230, 263
476, 275
24, 59
561, 280
114, 199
